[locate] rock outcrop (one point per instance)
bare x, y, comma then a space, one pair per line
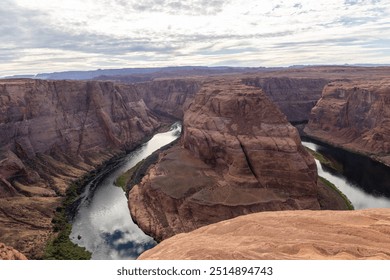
295, 97
239, 155
169, 97
8, 253
362, 234
53, 132
354, 115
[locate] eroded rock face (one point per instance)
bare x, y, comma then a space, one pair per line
169, 97
362, 234
295, 97
354, 115
239, 156
8, 253
53, 132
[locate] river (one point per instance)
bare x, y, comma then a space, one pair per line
365, 182
103, 224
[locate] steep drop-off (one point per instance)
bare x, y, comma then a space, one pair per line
53, 132
169, 97
295, 97
362, 234
239, 155
356, 116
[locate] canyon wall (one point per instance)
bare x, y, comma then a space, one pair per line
354, 115
302, 235
295, 97
238, 155
52, 133
169, 97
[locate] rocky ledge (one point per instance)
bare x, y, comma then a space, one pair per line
8, 253
362, 234
354, 115
239, 155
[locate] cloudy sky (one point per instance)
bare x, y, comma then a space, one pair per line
55, 35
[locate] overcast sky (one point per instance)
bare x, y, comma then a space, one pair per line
55, 35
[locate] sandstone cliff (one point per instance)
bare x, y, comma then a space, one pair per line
354, 115
362, 234
169, 97
53, 132
8, 253
239, 156
295, 97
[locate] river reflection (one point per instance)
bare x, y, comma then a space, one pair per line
103, 224
364, 182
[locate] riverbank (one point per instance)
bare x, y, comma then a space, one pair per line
335, 145
102, 224
60, 246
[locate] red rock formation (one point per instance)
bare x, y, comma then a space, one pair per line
362, 234
354, 115
8, 253
169, 97
295, 97
240, 156
53, 132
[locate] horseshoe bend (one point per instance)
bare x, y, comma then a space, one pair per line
239, 171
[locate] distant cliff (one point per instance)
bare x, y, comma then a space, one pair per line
53, 132
169, 97
302, 235
239, 155
295, 97
354, 115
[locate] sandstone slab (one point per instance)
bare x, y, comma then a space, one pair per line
285, 235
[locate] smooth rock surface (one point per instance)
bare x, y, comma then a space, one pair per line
285, 235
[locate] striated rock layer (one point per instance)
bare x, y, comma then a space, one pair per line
169, 97
362, 234
295, 97
239, 155
53, 132
8, 253
355, 116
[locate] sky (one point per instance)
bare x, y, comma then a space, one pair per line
38, 36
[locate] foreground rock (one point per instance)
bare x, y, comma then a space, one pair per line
355, 116
362, 234
8, 253
239, 156
52, 133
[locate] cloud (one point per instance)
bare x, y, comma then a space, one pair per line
77, 35
194, 7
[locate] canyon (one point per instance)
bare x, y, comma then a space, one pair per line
52, 133
238, 153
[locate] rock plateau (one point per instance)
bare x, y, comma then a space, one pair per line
297, 235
